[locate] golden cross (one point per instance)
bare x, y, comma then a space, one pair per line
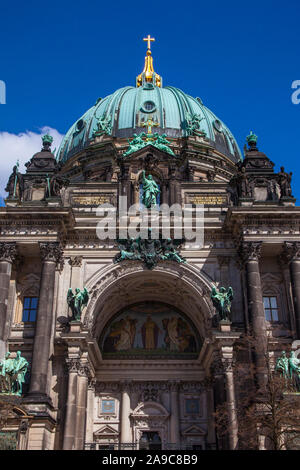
149, 39
149, 124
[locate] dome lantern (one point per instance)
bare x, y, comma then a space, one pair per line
148, 77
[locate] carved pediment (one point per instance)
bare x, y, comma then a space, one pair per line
193, 431
106, 431
160, 154
29, 285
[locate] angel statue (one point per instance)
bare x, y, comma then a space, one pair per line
150, 191
77, 302
222, 301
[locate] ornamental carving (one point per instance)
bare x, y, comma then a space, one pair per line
291, 252
75, 261
52, 251
250, 251
149, 250
72, 365
8, 252
80, 368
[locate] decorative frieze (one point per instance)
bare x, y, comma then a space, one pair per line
149, 391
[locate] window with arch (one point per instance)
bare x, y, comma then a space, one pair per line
274, 298
27, 299
271, 308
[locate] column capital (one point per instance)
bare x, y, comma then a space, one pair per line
52, 251
249, 251
73, 365
75, 261
8, 251
291, 252
81, 368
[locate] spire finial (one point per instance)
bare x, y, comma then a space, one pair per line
149, 39
252, 141
148, 75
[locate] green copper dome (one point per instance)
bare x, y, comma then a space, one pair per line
126, 111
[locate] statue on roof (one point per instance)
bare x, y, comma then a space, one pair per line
284, 181
103, 126
193, 126
15, 184
162, 143
136, 143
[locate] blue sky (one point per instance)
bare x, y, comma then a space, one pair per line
241, 59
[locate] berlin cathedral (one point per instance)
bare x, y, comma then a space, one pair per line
116, 342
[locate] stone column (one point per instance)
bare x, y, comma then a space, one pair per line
51, 254
250, 254
231, 406
217, 373
70, 421
81, 407
90, 411
8, 254
126, 434
222, 371
174, 418
292, 255
283, 261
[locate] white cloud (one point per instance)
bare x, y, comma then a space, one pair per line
21, 147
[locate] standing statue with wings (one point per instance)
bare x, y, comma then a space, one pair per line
222, 301
77, 302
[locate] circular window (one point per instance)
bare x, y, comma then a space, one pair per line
217, 125
148, 107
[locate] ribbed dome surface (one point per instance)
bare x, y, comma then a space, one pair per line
127, 109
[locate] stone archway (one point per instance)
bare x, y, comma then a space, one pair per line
112, 291
150, 416
179, 285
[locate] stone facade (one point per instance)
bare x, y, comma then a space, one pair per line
78, 395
